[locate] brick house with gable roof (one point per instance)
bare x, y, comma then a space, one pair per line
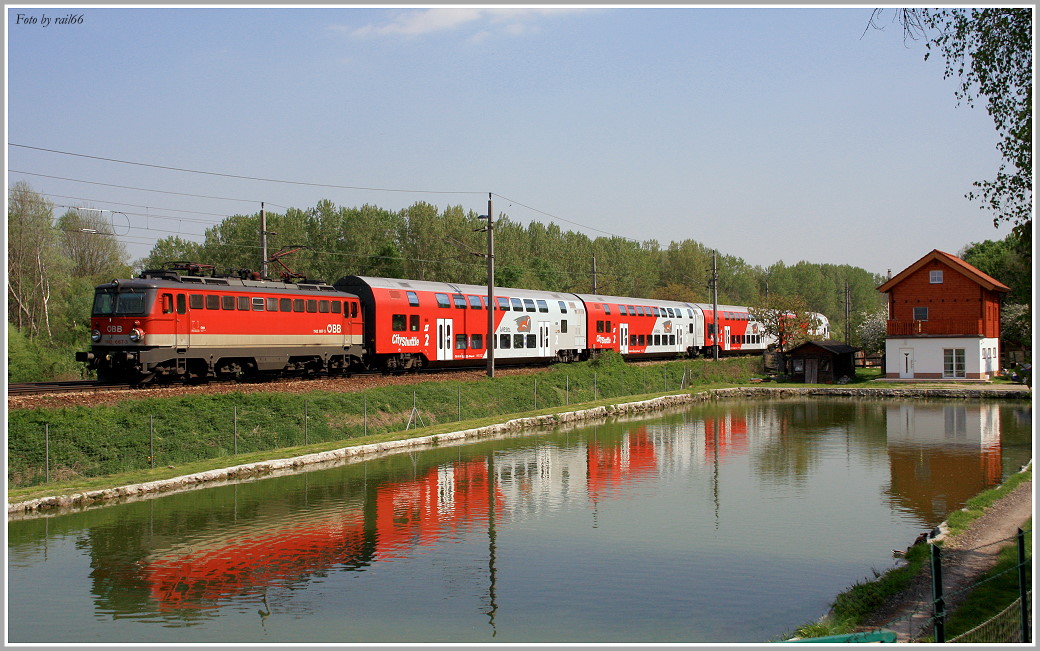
943, 320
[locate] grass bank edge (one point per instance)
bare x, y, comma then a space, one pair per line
853, 606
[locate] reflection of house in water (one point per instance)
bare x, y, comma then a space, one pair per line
942, 455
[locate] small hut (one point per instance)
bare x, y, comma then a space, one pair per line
823, 362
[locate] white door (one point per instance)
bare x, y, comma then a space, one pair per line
679, 343
444, 339
725, 338
544, 346
906, 362
623, 334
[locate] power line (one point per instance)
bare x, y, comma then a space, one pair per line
304, 183
130, 187
239, 176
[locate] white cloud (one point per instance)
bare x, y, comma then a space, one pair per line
429, 21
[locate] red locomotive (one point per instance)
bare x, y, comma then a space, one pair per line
178, 323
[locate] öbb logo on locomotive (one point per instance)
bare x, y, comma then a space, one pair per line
191, 327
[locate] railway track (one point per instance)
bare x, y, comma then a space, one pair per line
38, 388
80, 386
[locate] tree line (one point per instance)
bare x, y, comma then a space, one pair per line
54, 262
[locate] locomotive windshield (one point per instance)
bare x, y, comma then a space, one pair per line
112, 303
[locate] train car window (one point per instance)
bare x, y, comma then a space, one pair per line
503, 341
181, 308
212, 302
353, 309
297, 305
543, 306
518, 341
272, 305
227, 302
563, 325
532, 341
529, 304
633, 340
599, 326
657, 340
652, 311
312, 305
671, 313
476, 341
671, 339
459, 300
413, 323
460, 342
243, 302
638, 310
413, 299
285, 305
621, 310
503, 303
258, 304
442, 300
474, 303
518, 305
195, 301
167, 303
336, 307
323, 307
483, 301
398, 322
609, 329
606, 309
642, 340
563, 307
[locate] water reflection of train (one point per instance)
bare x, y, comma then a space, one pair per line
351, 526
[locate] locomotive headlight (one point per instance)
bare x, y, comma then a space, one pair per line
136, 335
95, 336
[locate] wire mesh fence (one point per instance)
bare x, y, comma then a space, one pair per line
928, 613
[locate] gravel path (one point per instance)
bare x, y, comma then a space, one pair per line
965, 557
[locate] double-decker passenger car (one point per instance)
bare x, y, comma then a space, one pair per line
178, 323
414, 323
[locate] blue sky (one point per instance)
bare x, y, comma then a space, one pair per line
768, 133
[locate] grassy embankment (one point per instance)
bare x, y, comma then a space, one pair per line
147, 439
855, 605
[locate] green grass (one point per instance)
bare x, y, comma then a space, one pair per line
85, 448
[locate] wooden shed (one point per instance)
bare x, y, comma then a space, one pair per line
823, 362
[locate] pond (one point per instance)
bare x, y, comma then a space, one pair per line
729, 522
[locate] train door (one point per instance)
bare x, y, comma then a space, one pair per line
544, 349
444, 340
679, 343
181, 327
725, 338
623, 337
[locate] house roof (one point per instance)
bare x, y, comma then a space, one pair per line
830, 346
987, 281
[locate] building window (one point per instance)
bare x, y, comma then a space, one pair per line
935, 277
953, 362
920, 314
